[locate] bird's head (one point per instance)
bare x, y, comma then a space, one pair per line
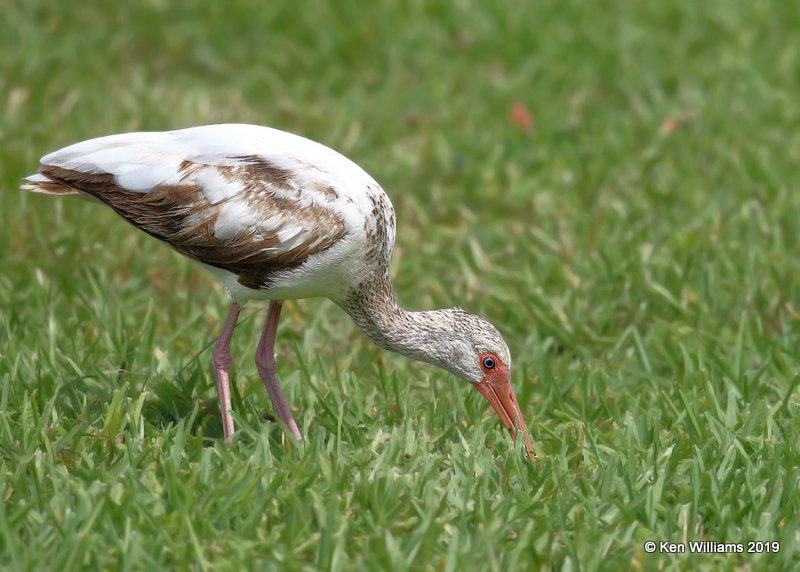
475, 351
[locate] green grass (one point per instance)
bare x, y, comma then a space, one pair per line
639, 249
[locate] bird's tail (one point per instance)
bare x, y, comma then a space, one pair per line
40, 183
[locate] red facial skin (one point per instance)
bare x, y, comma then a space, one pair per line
496, 388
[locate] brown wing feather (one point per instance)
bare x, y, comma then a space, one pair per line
184, 218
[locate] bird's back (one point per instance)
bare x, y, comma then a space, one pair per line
276, 211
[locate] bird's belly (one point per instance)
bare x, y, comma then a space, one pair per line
329, 274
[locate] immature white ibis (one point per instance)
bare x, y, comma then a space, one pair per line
275, 216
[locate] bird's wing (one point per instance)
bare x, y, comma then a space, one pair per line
249, 213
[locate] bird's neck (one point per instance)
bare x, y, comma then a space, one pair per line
374, 309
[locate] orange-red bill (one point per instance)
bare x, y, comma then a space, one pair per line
498, 392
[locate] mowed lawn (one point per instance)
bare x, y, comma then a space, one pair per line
614, 184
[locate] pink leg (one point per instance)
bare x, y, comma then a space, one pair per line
265, 362
221, 357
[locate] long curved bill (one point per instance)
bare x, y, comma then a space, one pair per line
500, 395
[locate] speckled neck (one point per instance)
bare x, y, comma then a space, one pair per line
451, 339
374, 309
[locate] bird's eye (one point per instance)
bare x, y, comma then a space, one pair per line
488, 362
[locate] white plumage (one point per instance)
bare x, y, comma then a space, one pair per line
277, 216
